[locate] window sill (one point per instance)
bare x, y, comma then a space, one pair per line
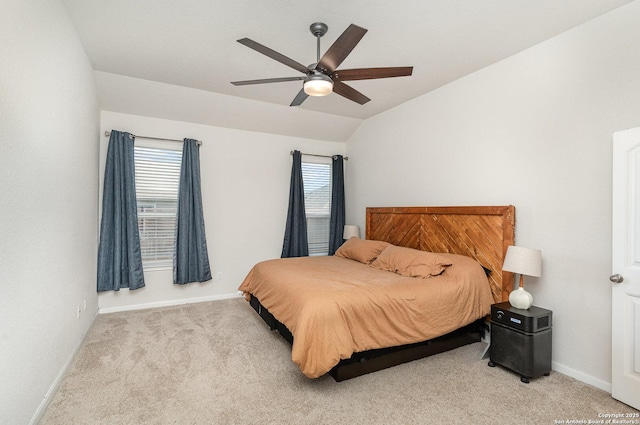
156, 269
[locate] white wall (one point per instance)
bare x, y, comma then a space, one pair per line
534, 131
49, 124
245, 184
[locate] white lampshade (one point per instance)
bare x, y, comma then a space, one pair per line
351, 230
318, 85
524, 261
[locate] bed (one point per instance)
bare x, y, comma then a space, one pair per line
421, 282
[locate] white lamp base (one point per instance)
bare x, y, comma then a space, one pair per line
520, 299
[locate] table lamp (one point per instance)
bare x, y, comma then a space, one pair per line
524, 261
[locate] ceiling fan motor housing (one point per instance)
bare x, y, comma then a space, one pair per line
318, 29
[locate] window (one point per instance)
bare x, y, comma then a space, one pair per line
316, 178
157, 182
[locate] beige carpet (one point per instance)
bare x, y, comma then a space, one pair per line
217, 363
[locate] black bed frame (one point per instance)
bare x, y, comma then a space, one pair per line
373, 360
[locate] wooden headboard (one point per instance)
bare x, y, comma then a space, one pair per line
483, 233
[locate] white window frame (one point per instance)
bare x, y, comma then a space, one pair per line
322, 217
164, 262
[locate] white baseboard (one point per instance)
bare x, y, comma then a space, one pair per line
58, 380
581, 376
573, 373
168, 303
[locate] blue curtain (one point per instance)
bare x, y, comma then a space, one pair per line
295, 233
191, 260
336, 221
119, 258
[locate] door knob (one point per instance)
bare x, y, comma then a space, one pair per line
616, 278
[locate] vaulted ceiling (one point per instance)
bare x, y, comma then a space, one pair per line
176, 59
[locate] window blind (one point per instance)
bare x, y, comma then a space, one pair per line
317, 201
157, 182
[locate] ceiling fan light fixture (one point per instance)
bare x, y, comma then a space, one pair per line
318, 85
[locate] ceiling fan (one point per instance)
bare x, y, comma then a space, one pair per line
323, 77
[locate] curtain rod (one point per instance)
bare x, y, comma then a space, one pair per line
107, 133
346, 158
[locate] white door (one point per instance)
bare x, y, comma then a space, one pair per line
625, 278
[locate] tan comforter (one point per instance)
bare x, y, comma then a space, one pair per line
335, 307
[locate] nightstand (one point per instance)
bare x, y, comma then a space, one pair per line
521, 340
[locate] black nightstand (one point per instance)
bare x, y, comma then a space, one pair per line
521, 340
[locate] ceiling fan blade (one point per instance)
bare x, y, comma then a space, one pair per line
267, 80
371, 73
349, 92
274, 55
340, 49
300, 97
